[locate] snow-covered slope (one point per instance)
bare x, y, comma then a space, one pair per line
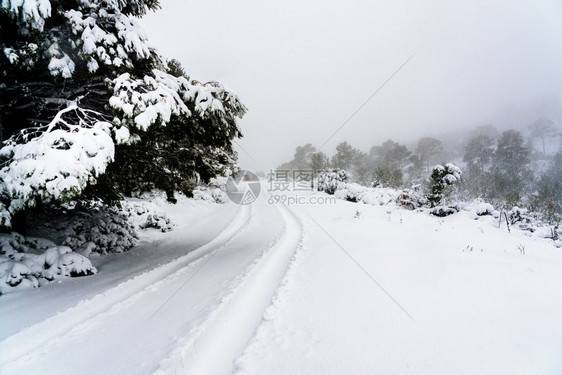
428, 296
307, 289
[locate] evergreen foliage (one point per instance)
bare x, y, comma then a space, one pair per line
89, 109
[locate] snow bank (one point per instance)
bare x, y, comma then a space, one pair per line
31, 262
353, 192
147, 215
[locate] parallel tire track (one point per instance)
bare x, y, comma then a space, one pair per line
214, 346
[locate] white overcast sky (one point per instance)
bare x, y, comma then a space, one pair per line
302, 67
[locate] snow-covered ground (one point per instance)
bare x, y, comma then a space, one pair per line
340, 288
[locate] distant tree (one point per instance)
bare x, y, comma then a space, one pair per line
511, 155
345, 156
542, 129
478, 153
319, 161
303, 156
487, 130
388, 177
510, 175
547, 198
391, 155
362, 172
415, 169
429, 151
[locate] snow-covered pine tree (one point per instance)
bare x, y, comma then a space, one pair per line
84, 99
442, 177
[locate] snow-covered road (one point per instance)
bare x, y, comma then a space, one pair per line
194, 314
340, 288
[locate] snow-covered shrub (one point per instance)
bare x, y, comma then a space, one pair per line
379, 196
29, 262
145, 215
158, 220
442, 211
411, 198
350, 192
106, 227
442, 178
519, 215
210, 194
5, 217
214, 191
484, 209
332, 180
86, 227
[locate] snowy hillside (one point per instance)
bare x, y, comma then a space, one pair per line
313, 288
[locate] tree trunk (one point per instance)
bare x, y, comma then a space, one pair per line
19, 223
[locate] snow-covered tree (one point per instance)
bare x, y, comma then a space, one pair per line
84, 99
442, 178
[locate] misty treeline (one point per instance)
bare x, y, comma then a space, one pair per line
506, 168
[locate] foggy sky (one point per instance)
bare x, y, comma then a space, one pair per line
303, 67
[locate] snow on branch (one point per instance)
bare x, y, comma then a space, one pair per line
56, 161
154, 99
107, 38
146, 101
32, 12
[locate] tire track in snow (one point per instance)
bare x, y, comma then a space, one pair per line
31, 338
212, 347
